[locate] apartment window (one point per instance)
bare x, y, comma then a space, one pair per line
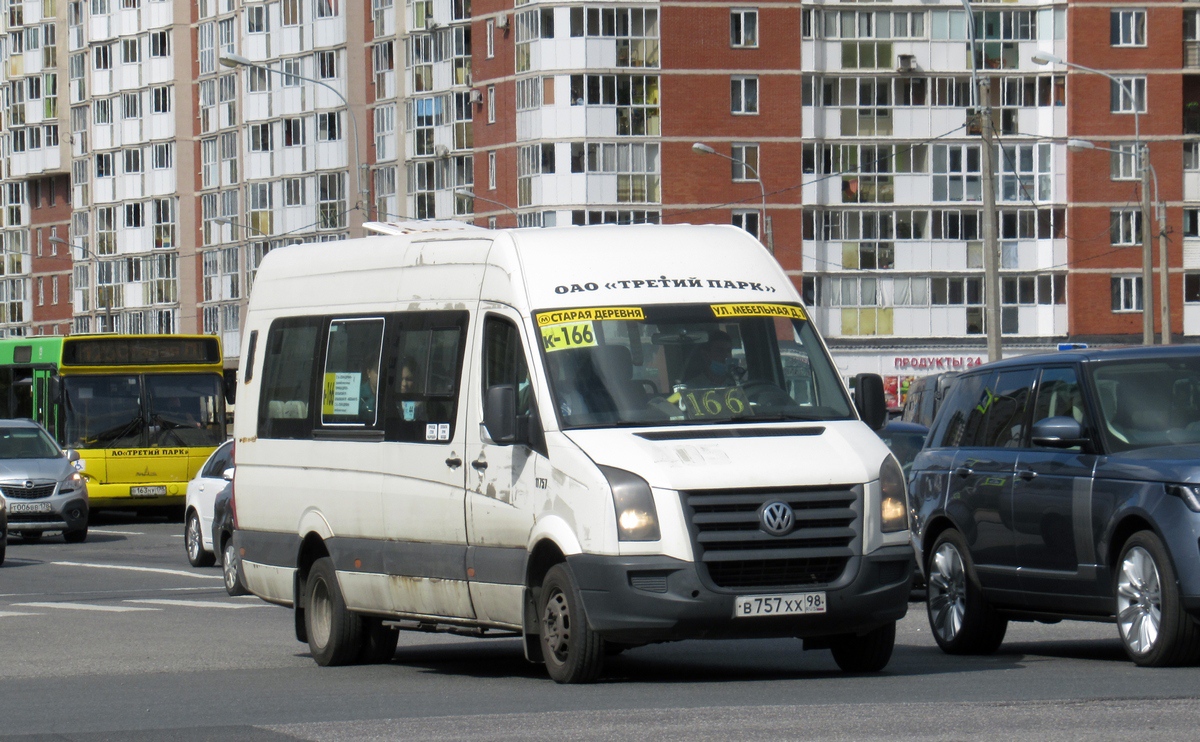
160, 99
131, 105
208, 163
956, 172
101, 111
745, 162
1126, 226
291, 72
635, 96
102, 57
329, 126
464, 132
743, 95
491, 39
327, 8
1024, 172
385, 127
1191, 156
131, 51
256, 19
260, 138
1127, 293
327, 65
227, 35
133, 160
291, 12
205, 46
135, 216
293, 192
164, 222
160, 44
1123, 162
634, 29
747, 220
1127, 27
261, 203
293, 132
104, 165
743, 27
491, 165
331, 200
1127, 95
491, 104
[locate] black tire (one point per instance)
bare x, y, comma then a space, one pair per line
1154, 628
572, 651
231, 569
334, 633
76, 535
378, 642
3, 546
867, 653
193, 542
961, 620
31, 536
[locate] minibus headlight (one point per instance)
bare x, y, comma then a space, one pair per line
637, 519
893, 501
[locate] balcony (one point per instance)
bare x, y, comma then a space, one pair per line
1191, 54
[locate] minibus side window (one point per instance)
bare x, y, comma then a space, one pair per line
287, 382
424, 363
504, 360
350, 384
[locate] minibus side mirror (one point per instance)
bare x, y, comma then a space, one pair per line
870, 401
54, 389
1058, 432
500, 413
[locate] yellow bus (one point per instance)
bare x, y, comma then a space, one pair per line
143, 411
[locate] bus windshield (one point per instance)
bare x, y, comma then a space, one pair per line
143, 411
686, 364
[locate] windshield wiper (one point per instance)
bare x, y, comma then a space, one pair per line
116, 433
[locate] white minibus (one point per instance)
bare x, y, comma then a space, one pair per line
589, 438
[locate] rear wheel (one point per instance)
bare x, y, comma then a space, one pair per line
76, 536
334, 633
962, 622
231, 568
1154, 628
193, 542
867, 653
572, 651
378, 642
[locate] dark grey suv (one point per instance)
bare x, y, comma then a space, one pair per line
1066, 486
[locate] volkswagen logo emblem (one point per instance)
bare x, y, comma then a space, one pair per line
777, 518
28, 484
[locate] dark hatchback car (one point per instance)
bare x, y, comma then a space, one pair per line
222, 539
1066, 486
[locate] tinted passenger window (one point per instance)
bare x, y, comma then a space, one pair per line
966, 410
504, 360
424, 364
1006, 409
288, 369
350, 386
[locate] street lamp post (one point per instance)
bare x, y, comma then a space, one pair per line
704, 149
236, 60
471, 195
1143, 163
84, 254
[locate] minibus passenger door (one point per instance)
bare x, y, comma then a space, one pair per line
501, 480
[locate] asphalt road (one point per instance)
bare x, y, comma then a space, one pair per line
119, 638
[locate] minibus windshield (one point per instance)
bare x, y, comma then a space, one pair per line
688, 364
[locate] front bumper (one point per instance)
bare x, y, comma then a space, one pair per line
679, 604
67, 513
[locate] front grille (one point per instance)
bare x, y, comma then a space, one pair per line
19, 491
731, 545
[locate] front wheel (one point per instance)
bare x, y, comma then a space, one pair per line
1155, 630
334, 633
573, 652
867, 653
193, 542
962, 622
231, 568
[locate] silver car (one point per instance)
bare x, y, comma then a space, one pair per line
39, 481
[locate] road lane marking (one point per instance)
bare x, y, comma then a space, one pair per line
157, 570
86, 607
118, 533
193, 603
6, 614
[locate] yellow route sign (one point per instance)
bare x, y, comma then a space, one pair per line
759, 310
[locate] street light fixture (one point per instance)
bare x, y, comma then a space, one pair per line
471, 195
84, 255
703, 149
1143, 164
229, 59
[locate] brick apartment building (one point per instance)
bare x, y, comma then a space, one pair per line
848, 121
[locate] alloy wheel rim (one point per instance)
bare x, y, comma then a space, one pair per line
193, 538
947, 592
230, 568
556, 625
321, 614
1139, 601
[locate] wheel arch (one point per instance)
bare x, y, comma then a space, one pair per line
934, 528
1128, 525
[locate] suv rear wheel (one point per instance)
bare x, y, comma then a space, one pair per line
962, 622
1154, 628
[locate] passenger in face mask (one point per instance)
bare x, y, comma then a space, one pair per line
716, 359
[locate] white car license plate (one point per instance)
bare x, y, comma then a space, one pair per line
778, 605
29, 507
157, 491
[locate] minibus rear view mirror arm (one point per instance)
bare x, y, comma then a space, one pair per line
500, 414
